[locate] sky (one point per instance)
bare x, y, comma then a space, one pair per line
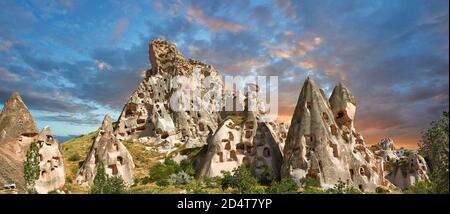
73, 61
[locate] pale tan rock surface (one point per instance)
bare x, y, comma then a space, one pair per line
107, 149
51, 163
406, 174
323, 144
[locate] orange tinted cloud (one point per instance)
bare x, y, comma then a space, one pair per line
196, 15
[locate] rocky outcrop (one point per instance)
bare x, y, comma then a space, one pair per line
322, 142
15, 119
107, 149
17, 131
386, 150
244, 140
172, 104
249, 143
408, 171
51, 163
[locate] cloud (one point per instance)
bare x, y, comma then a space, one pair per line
5, 45
119, 29
196, 15
102, 65
6, 75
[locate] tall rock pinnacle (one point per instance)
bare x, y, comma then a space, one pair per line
15, 119
322, 143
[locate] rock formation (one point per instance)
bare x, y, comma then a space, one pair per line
17, 131
244, 139
323, 144
407, 171
51, 163
15, 119
386, 149
153, 114
107, 149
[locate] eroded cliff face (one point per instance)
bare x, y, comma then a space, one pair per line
407, 172
51, 163
17, 131
323, 144
15, 119
108, 150
173, 104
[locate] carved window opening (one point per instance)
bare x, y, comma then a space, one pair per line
228, 146
114, 169
266, 152
325, 116
233, 155
120, 160
220, 154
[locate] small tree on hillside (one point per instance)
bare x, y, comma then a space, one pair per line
103, 184
31, 166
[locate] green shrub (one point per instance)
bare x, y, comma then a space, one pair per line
313, 190
227, 180
285, 186
381, 190
74, 157
422, 187
308, 182
213, 182
104, 184
180, 178
163, 182
163, 170
188, 167
267, 177
196, 187
241, 180
343, 188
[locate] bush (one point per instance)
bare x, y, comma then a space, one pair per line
163, 171
163, 182
343, 188
188, 167
285, 186
74, 157
213, 182
308, 182
104, 184
195, 187
422, 187
266, 178
181, 178
227, 180
241, 180
382, 190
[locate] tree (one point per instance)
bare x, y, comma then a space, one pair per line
31, 167
104, 184
435, 149
241, 180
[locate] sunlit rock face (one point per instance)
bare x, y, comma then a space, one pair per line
108, 150
15, 119
173, 104
245, 140
17, 131
323, 144
51, 163
405, 174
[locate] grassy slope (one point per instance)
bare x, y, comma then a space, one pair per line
80, 146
